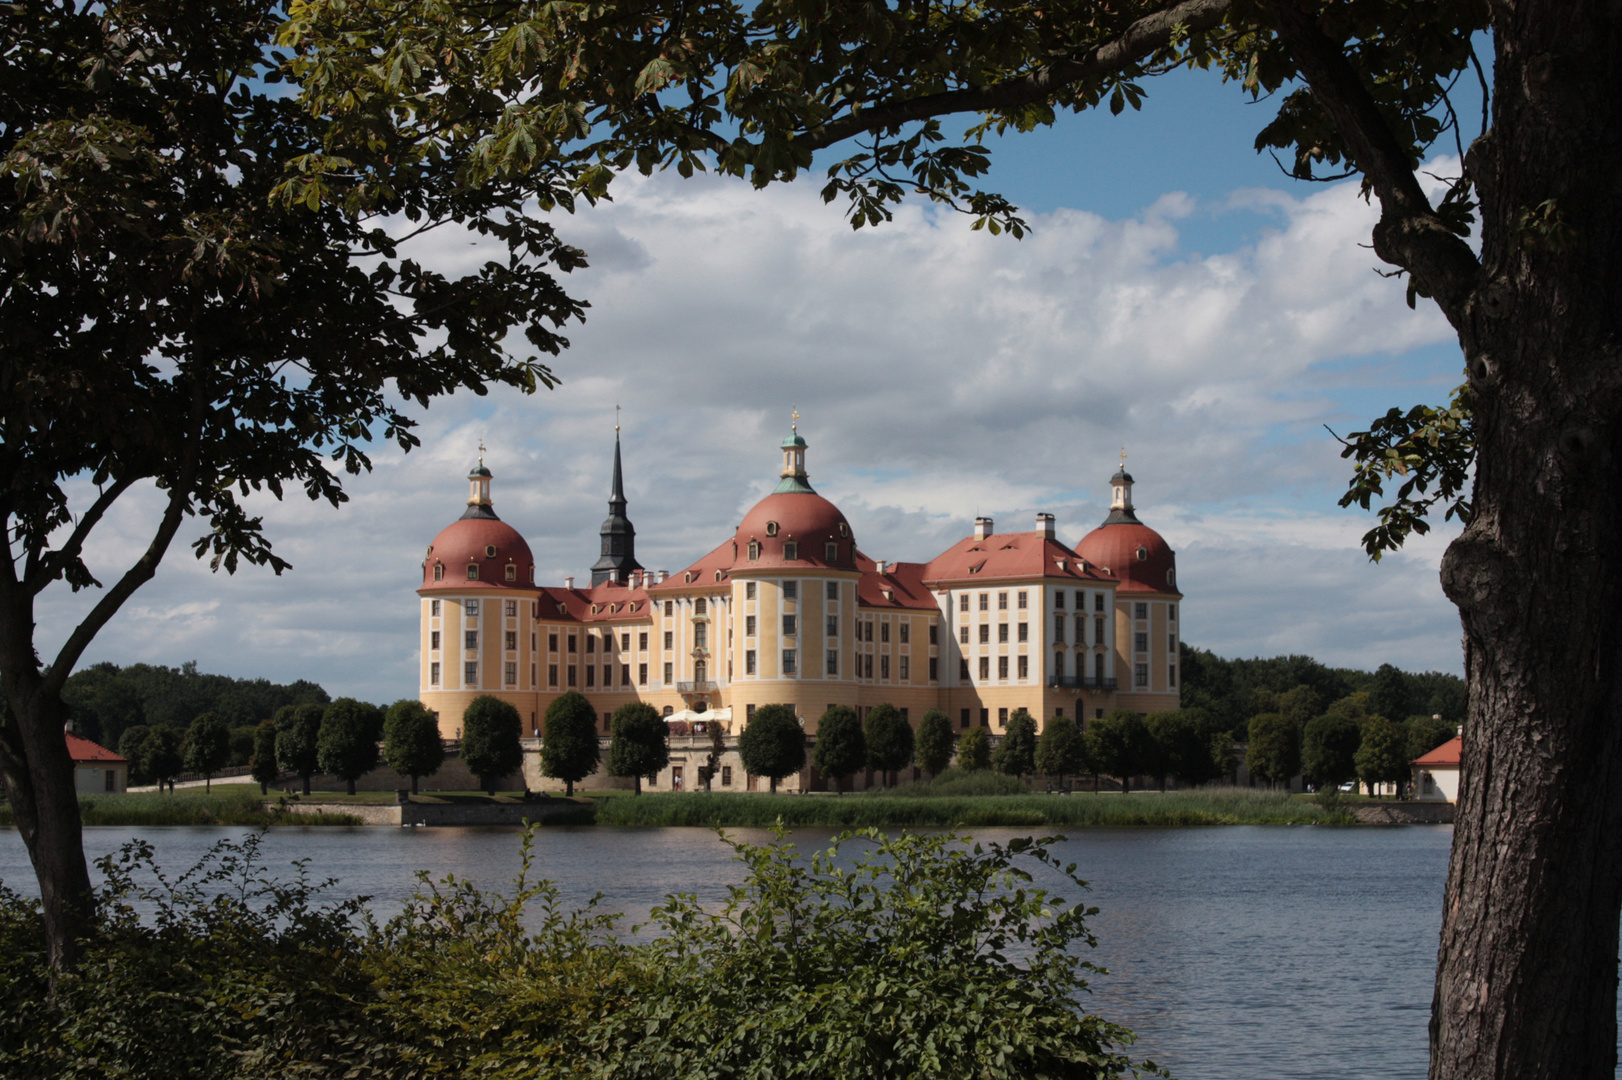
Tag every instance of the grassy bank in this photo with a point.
(1236, 806)
(236, 804)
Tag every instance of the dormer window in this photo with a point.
(473, 571)
(754, 550)
(532, 574)
(1143, 553)
(791, 550)
(844, 530)
(830, 552)
(771, 528)
(489, 551)
(439, 571)
(512, 572)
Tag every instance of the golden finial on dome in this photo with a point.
(795, 420)
(616, 417)
(481, 451)
(1123, 458)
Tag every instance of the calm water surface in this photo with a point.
(1244, 953)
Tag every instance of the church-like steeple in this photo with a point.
(618, 557)
(1120, 504)
(794, 479)
(478, 495)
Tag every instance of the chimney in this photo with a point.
(1044, 525)
(663, 574)
(880, 566)
(982, 528)
(568, 583)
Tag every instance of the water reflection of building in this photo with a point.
(788, 609)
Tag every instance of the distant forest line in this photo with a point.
(106, 700)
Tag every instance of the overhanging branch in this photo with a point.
(1141, 39)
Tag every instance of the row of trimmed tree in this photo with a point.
(1342, 745)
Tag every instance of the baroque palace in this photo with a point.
(788, 609)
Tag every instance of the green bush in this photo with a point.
(891, 963)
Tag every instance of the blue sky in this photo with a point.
(1178, 295)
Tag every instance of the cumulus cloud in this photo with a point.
(940, 374)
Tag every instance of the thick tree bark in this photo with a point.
(1527, 978)
(38, 773)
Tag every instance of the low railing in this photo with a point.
(701, 686)
(1080, 682)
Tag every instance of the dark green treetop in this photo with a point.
(1274, 752)
(262, 765)
(889, 738)
(974, 749)
(773, 743)
(491, 734)
(346, 742)
(207, 747)
(1329, 750)
(933, 745)
(297, 729)
(412, 745)
(1061, 751)
(570, 751)
(639, 744)
(841, 749)
(1016, 754)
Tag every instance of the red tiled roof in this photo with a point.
(81, 750)
(1010, 555)
(900, 586)
(607, 602)
(470, 540)
(701, 572)
(1444, 755)
(1118, 547)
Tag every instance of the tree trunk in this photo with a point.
(1527, 977)
(306, 779)
(208, 783)
(351, 787)
(568, 788)
(38, 773)
(639, 783)
(413, 785)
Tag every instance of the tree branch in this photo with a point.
(1141, 39)
(1410, 233)
(38, 577)
(146, 566)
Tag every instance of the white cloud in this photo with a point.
(940, 373)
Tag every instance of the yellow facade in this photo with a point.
(998, 623)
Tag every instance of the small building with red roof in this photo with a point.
(96, 769)
(1436, 774)
(788, 609)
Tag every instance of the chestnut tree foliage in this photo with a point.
(1528, 454)
(175, 330)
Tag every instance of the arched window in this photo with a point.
(473, 571)
(791, 550)
(754, 550)
(512, 572)
(830, 552)
(439, 571)
(669, 711)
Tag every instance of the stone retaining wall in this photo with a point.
(1405, 813)
(444, 815)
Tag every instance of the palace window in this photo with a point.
(771, 528)
(701, 635)
(642, 674)
(1058, 600)
(573, 681)
(833, 662)
(433, 674)
(963, 635)
(470, 674)
(439, 575)
(1171, 612)
(933, 635)
(1140, 610)
(700, 606)
(471, 607)
(754, 550)
(749, 588)
(625, 642)
(1002, 601)
(903, 671)
(1098, 601)
(510, 675)
(985, 667)
(748, 626)
(726, 776)
(670, 608)
(830, 553)
(1140, 642)
(788, 661)
(884, 667)
(511, 608)
(985, 601)
(1058, 628)
(1081, 629)
(1002, 633)
(571, 643)
(788, 625)
(884, 632)
(1024, 632)
(963, 670)
(1002, 717)
(433, 640)
(669, 675)
(1022, 599)
(551, 674)
(608, 675)
(512, 640)
(1098, 632)
(472, 639)
(512, 572)
(867, 632)
(985, 633)
(1058, 664)
(963, 719)
(906, 632)
(1171, 642)
(433, 608)
(473, 571)
(670, 639)
(1171, 675)
(1140, 675)
(791, 550)
(934, 669)
(867, 666)
(1002, 667)
(791, 590)
(551, 643)
(963, 602)
(1024, 667)
(833, 626)
(749, 661)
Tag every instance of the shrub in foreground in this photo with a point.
(888, 960)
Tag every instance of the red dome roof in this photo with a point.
(487, 543)
(802, 518)
(1135, 554)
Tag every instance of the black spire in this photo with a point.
(618, 534)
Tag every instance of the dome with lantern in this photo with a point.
(794, 526)
(1127, 548)
(478, 550)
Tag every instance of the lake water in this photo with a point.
(1242, 953)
